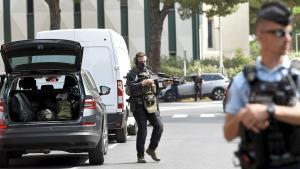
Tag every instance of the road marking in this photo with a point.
(113, 146)
(179, 116)
(207, 115)
(187, 107)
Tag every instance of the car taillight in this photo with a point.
(90, 104)
(2, 119)
(88, 124)
(120, 94)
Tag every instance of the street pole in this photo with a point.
(220, 48)
(184, 64)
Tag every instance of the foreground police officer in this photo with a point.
(263, 108)
(144, 105)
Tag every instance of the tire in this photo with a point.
(96, 155)
(4, 160)
(132, 130)
(105, 139)
(218, 94)
(121, 134)
(169, 96)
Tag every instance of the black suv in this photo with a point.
(48, 102)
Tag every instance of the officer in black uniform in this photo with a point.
(198, 86)
(263, 108)
(144, 105)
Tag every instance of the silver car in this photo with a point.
(214, 85)
(38, 114)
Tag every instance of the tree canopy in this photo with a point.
(256, 4)
(186, 9)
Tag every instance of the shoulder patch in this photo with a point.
(249, 72)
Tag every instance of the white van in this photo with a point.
(106, 57)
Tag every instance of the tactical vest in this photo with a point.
(279, 144)
(149, 95)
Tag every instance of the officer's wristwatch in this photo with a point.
(271, 110)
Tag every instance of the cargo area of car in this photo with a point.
(44, 98)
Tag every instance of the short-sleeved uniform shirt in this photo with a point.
(240, 89)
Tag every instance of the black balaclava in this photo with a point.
(141, 65)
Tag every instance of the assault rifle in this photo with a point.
(161, 80)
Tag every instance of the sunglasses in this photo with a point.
(279, 32)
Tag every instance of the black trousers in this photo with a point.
(141, 116)
(198, 92)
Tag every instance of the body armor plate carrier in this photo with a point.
(279, 144)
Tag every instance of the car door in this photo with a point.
(187, 87)
(208, 84)
(41, 55)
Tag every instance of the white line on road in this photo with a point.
(113, 145)
(207, 115)
(179, 116)
(187, 107)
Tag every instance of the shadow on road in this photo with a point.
(57, 161)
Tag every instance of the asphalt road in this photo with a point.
(192, 139)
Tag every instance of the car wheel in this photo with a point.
(4, 160)
(96, 155)
(218, 94)
(169, 96)
(105, 138)
(121, 134)
(132, 129)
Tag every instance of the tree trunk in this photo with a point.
(54, 14)
(155, 45)
(157, 18)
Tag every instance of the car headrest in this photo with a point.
(69, 82)
(28, 83)
(47, 87)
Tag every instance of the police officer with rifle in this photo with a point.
(143, 87)
(263, 107)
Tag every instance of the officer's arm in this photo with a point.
(232, 126)
(234, 111)
(287, 114)
(134, 86)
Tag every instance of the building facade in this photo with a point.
(198, 37)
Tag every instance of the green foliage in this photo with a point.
(235, 64)
(294, 55)
(254, 49)
(296, 10)
(172, 66)
(217, 7)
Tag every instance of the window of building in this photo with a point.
(29, 6)
(210, 33)
(77, 7)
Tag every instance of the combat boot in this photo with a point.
(153, 154)
(141, 159)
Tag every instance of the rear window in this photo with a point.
(22, 60)
(45, 82)
(212, 77)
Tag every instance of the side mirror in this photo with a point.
(104, 90)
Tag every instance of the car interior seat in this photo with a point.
(21, 108)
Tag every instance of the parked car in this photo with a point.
(106, 56)
(38, 114)
(214, 85)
